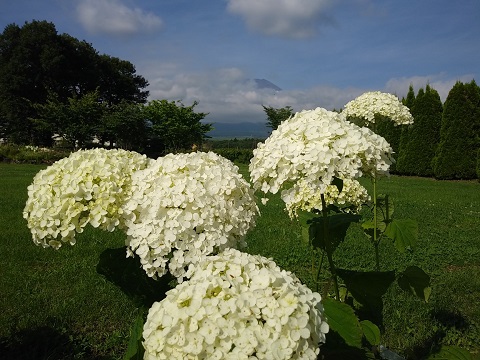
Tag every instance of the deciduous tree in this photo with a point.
(174, 126)
(276, 116)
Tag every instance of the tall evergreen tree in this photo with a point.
(421, 140)
(457, 151)
(409, 102)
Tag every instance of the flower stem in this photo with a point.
(375, 222)
(328, 246)
(318, 271)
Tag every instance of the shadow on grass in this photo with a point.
(128, 275)
(446, 320)
(43, 343)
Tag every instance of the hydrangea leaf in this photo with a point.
(342, 319)
(371, 332)
(415, 281)
(403, 232)
(135, 349)
(367, 287)
(337, 229)
(451, 353)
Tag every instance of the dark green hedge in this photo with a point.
(457, 152)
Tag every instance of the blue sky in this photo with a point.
(320, 52)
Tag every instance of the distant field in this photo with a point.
(63, 304)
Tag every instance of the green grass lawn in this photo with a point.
(79, 302)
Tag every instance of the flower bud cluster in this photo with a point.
(236, 306)
(369, 104)
(88, 187)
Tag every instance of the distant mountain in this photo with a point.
(239, 130)
(265, 84)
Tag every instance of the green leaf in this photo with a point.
(404, 233)
(305, 218)
(337, 229)
(371, 332)
(415, 281)
(367, 287)
(135, 348)
(338, 183)
(342, 319)
(451, 353)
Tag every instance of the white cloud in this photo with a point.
(288, 18)
(440, 82)
(113, 17)
(229, 96)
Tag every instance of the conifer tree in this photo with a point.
(423, 136)
(409, 102)
(457, 152)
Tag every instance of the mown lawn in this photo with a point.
(80, 301)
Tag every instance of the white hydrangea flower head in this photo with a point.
(185, 206)
(369, 104)
(305, 196)
(87, 187)
(236, 306)
(312, 148)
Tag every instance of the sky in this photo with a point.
(321, 53)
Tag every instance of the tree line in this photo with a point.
(444, 140)
(56, 85)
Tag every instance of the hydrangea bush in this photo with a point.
(373, 103)
(88, 187)
(184, 206)
(311, 149)
(236, 306)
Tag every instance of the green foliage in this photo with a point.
(451, 353)
(342, 319)
(77, 120)
(38, 65)
(236, 155)
(456, 155)
(415, 280)
(276, 116)
(124, 125)
(135, 350)
(421, 139)
(403, 232)
(409, 101)
(478, 164)
(30, 154)
(174, 126)
(392, 133)
(247, 143)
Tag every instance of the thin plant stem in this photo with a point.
(375, 223)
(375, 220)
(328, 246)
(318, 271)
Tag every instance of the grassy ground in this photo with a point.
(79, 302)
